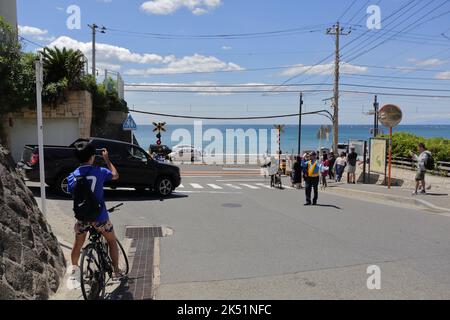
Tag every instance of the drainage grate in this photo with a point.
(142, 255)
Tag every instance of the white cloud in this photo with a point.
(31, 31)
(195, 63)
(428, 62)
(165, 7)
(227, 48)
(114, 57)
(322, 69)
(108, 55)
(443, 75)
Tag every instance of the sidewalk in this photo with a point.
(437, 201)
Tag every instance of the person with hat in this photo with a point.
(312, 176)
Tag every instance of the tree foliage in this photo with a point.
(403, 143)
(17, 75)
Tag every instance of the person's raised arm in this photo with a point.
(413, 155)
(111, 167)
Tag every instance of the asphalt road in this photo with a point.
(234, 238)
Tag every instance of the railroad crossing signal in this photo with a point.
(159, 127)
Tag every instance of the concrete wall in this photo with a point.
(77, 108)
(112, 128)
(8, 10)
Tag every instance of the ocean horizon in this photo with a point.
(289, 138)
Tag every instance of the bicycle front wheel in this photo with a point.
(92, 274)
(123, 259)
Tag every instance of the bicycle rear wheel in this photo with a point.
(92, 274)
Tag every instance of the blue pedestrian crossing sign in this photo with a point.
(129, 124)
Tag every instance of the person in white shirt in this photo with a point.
(421, 159)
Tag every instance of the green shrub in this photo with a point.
(403, 143)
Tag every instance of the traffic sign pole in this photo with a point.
(390, 116)
(390, 158)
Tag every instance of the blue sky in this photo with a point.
(404, 41)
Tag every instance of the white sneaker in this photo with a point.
(74, 279)
(415, 193)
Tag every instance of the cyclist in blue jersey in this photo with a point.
(85, 153)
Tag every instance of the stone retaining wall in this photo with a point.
(31, 261)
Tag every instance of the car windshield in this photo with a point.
(137, 154)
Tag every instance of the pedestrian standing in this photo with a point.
(297, 173)
(324, 170)
(339, 166)
(351, 169)
(331, 162)
(423, 161)
(312, 176)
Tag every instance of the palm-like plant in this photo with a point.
(323, 134)
(63, 65)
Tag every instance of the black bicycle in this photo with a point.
(96, 264)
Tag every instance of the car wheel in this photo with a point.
(61, 186)
(164, 186)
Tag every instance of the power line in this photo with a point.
(347, 10)
(31, 42)
(294, 92)
(377, 36)
(392, 77)
(273, 85)
(167, 36)
(352, 41)
(407, 27)
(229, 118)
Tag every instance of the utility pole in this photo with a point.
(40, 129)
(300, 125)
(94, 29)
(337, 31)
(376, 105)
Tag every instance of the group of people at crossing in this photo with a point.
(315, 170)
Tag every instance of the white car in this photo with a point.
(185, 154)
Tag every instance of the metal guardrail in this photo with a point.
(442, 167)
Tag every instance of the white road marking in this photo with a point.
(194, 176)
(240, 180)
(233, 186)
(196, 186)
(240, 169)
(207, 192)
(249, 186)
(215, 186)
(263, 185)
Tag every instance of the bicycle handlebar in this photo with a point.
(115, 208)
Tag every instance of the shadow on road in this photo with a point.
(115, 195)
(329, 206)
(122, 292)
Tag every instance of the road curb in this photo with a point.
(368, 195)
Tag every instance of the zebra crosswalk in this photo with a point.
(226, 186)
